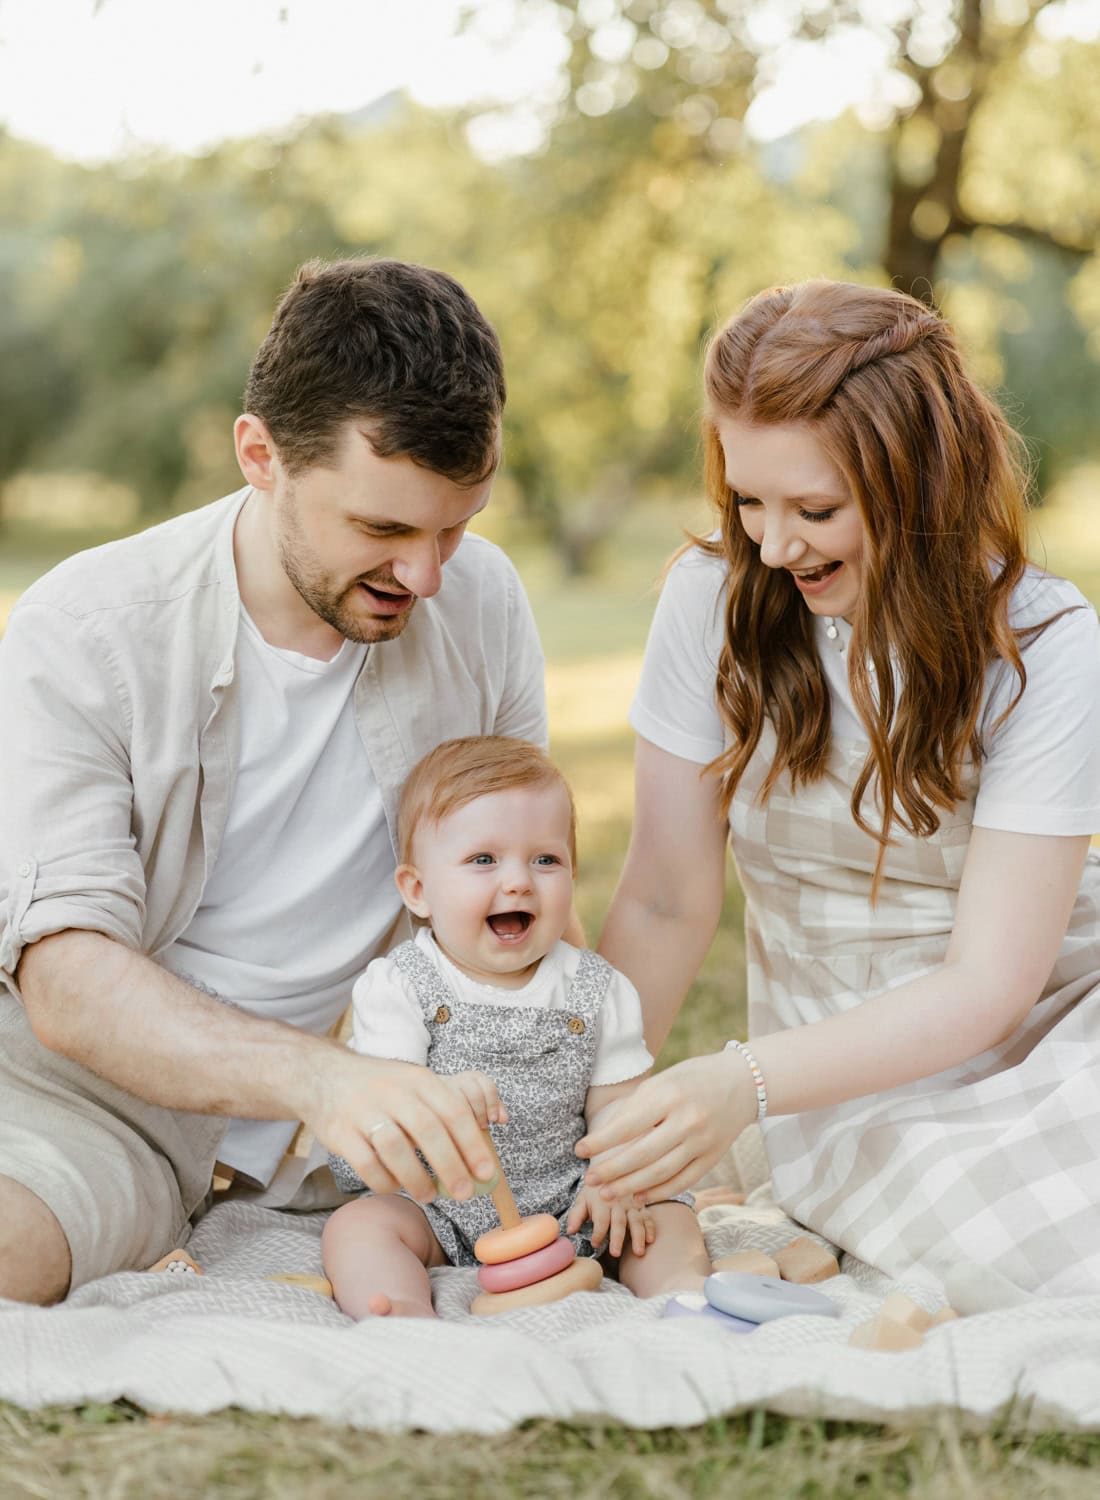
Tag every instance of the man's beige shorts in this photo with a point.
(122, 1177)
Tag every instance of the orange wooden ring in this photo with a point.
(528, 1235)
(583, 1275)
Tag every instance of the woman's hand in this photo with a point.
(671, 1130)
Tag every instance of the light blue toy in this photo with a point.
(760, 1299)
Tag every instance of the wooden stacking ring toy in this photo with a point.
(527, 1261)
(522, 1238)
(510, 1275)
(582, 1275)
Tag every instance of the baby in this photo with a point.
(487, 831)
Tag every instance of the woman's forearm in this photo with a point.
(660, 952)
(933, 1023)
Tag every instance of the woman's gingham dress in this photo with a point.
(995, 1161)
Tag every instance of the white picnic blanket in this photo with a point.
(170, 1342)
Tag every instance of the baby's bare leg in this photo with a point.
(376, 1252)
(676, 1261)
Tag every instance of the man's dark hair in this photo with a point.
(401, 348)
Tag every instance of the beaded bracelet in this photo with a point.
(757, 1077)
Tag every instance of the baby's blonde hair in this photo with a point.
(459, 771)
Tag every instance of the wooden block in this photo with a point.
(223, 1177)
(902, 1309)
(804, 1260)
(319, 1284)
(945, 1315)
(884, 1336)
(752, 1262)
(177, 1261)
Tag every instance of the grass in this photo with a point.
(594, 632)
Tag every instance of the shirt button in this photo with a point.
(24, 870)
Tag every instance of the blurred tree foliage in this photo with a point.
(132, 295)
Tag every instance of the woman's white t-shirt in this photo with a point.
(388, 1020)
(1041, 767)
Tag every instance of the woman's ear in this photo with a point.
(411, 889)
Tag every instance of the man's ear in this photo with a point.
(411, 888)
(256, 453)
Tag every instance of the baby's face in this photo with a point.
(495, 878)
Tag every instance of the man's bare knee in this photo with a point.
(35, 1263)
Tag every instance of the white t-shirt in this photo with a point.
(302, 891)
(388, 1020)
(1041, 768)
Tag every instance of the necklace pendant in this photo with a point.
(831, 629)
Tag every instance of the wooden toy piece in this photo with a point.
(583, 1275)
(695, 1305)
(223, 1177)
(319, 1284)
(945, 1315)
(760, 1299)
(509, 1275)
(884, 1336)
(902, 1309)
(516, 1236)
(804, 1260)
(751, 1262)
(177, 1262)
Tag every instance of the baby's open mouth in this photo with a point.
(510, 924)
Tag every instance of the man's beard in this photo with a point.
(336, 606)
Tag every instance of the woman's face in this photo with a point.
(794, 504)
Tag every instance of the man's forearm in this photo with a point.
(133, 1023)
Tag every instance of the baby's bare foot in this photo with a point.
(381, 1306)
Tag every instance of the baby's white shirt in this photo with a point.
(388, 1020)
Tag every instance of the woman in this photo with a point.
(895, 721)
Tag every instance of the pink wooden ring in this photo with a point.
(510, 1274)
(581, 1275)
(528, 1235)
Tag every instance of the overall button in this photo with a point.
(575, 1025)
(443, 1014)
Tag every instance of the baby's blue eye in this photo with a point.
(547, 859)
(482, 859)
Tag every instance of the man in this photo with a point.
(204, 731)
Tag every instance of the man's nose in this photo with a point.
(419, 569)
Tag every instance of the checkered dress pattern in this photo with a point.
(995, 1161)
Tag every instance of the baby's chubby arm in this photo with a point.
(615, 1222)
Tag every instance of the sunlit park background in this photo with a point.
(609, 178)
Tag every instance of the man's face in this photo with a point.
(364, 537)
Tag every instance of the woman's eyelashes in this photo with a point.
(807, 515)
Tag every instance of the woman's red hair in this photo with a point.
(940, 478)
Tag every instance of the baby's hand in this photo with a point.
(481, 1093)
(612, 1222)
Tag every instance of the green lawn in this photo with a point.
(593, 631)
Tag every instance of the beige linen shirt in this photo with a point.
(118, 720)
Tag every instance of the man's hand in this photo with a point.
(378, 1114)
(615, 1223)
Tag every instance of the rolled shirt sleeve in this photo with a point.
(68, 857)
